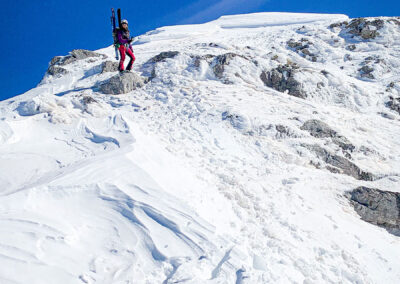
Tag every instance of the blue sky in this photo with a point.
(32, 32)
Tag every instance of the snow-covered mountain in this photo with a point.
(251, 149)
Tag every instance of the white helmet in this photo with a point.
(124, 21)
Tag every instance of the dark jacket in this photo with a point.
(123, 36)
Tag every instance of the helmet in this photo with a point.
(124, 22)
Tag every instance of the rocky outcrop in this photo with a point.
(363, 27)
(55, 68)
(217, 63)
(56, 71)
(394, 104)
(109, 66)
(122, 83)
(83, 53)
(149, 68)
(86, 100)
(284, 132)
(282, 79)
(302, 47)
(220, 62)
(198, 58)
(370, 64)
(367, 29)
(163, 55)
(74, 55)
(378, 207)
(339, 164)
(319, 129)
(338, 25)
(395, 21)
(366, 72)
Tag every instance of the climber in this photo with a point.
(125, 47)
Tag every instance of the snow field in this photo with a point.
(192, 180)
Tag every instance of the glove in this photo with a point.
(130, 41)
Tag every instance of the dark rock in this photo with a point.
(275, 57)
(333, 170)
(324, 72)
(56, 71)
(344, 165)
(62, 60)
(74, 55)
(302, 48)
(366, 72)
(351, 47)
(56, 59)
(211, 44)
(278, 130)
(149, 68)
(386, 115)
(347, 57)
(320, 129)
(82, 54)
(198, 58)
(88, 100)
(343, 143)
(378, 207)
(369, 34)
(394, 104)
(163, 55)
(122, 83)
(395, 21)
(220, 62)
(294, 44)
(284, 131)
(306, 51)
(367, 29)
(109, 66)
(374, 59)
(369, 59)
(338, 25)
(282, 79)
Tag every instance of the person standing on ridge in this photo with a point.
(124, 41)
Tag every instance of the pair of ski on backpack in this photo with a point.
(115, 29)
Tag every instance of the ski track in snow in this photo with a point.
(188, 180)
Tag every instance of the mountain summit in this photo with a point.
(259, 148)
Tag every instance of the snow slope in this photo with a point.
(191, 179)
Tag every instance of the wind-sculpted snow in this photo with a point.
(232, 164)
(5, 132)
